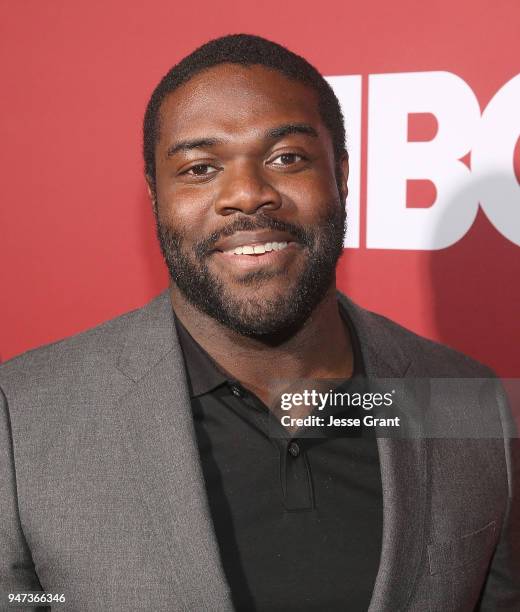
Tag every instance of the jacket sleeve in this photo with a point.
(17, 573)
(502, 588)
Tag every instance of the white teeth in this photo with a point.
(258, 249)
(278, 246)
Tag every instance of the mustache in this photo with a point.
(245, 224)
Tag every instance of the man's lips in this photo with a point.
(251, 250)
(251, 239)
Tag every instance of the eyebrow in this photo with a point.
(272, 134)
(188, 145)
(291, 128)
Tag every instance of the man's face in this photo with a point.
(249, 212)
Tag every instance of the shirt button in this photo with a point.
(294, 449)
(235, 390)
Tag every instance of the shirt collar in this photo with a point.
(204, 374)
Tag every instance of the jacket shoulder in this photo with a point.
(76, 358)
(432, 358)
(397, 343)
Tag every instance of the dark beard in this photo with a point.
(268, 319)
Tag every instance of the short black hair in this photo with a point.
(245, 50)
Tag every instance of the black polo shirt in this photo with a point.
(298, 520)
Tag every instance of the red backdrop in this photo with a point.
(77, 243)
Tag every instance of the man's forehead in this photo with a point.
(230, 97)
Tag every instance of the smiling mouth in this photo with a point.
(255, 242)
(257, 248)
(254, 256)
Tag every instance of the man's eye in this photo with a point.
(287, 159)
(201, 170)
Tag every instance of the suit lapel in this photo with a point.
(403, 474)
(157, 427)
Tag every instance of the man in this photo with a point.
(140, 465)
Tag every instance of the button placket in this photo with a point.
(296, 478)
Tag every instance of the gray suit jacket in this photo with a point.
(102, 496)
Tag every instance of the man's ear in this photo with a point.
(150, 187)
(343, 176)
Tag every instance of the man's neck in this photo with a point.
(320, 349)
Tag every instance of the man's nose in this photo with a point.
(246, 189)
